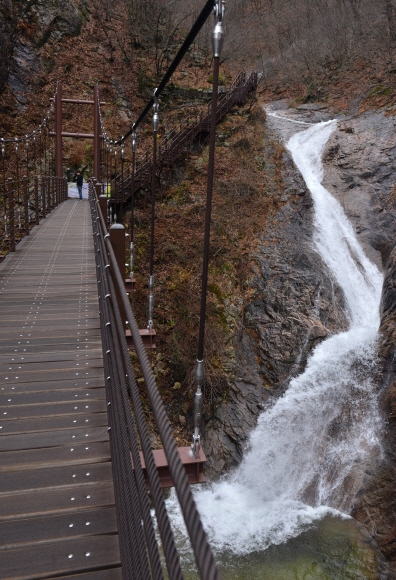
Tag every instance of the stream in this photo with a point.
(284, 512)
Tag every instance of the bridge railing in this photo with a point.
(23, 202)
(181, 138)
(129, 432)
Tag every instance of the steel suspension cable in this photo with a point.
(199, 373)
(195, 29)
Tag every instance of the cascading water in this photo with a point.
(307, 455)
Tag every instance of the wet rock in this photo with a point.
(360, 172)
(293, 306)
(376, 503)
(317, 330)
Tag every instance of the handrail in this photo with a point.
(23, 203)
(128, 431)
(183, 137)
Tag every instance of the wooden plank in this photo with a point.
(52, 423)
(41, 318)
(38, 529)
(25, 411)
(41, 325)
(24, 341)
(54, 456)
(54, 449)
(55, 438)
(94, 355)
(47, 478)
(109, 574)
(70, 365)
(45, 346)
(53, 501)
(54, 375)
(62, 557)
(11, 388)
(44, 397)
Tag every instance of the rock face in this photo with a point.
(295, 303)
(376, 504)
(24, 28)
(7, 31)
(361, 170)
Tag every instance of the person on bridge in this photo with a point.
(79, 182)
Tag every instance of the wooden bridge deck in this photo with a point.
(57, 514)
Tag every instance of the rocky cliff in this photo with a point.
(295, 303)
(26, 27)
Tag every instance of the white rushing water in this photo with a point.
(308, 452)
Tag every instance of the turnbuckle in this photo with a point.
(156, 109)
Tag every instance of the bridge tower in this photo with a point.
(59, 133)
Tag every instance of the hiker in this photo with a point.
(79, 182)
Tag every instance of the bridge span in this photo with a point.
(57, 513)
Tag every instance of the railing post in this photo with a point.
(117, 239)
(11, 212)
(36, 200)
(58, 130)
(26, 204)
(48, 193)
(96, 134)
(43, 204)
(102, 203)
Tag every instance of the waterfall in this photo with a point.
(307, 455)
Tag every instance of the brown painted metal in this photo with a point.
(26, 205)
(130, 285)
(192, 466)
(11, 214)
(181, 138)
(80, 102)
(117, 238)
(102, 203)
(147, 336)
(96, 135)
(58, 131)
(36, 200)
(43, 202)
(74, 135)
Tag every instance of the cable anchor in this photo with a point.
(150, 303)
(199, 378)
(218, 31)
(156, 110)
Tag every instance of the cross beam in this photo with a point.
(59, 134)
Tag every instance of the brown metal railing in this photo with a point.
(129, 432)
(180, 139)
(23, 203)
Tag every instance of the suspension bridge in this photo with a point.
(77, 460)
